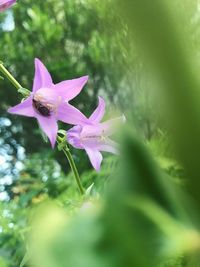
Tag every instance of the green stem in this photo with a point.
(9, 76)
(72, 164)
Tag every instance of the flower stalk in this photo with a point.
(9, 76)
(62, 145)
(25, 92)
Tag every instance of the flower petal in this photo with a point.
(42, 77)
(71, 115)
(73, 136)
(109, 146)
(95, 158)
(70, 88)
(91, 130)
(6, 4)
(99, 142)
(49, 126)
(110, 126)
(25, 108)
(98, 114)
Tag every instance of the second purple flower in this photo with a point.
(94, 135)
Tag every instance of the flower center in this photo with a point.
(41, 108)
(46, 101)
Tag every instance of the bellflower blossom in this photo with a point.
(94, 135)
(48, 102)
(4, 4)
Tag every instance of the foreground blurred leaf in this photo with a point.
(147, 221)
(168, 52)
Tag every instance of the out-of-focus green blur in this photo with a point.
(142, 209)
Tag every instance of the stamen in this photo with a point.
(98, 138)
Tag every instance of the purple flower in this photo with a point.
(48, 102)
(4, 4)
(93, 136)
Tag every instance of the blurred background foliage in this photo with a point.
(143, 58)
